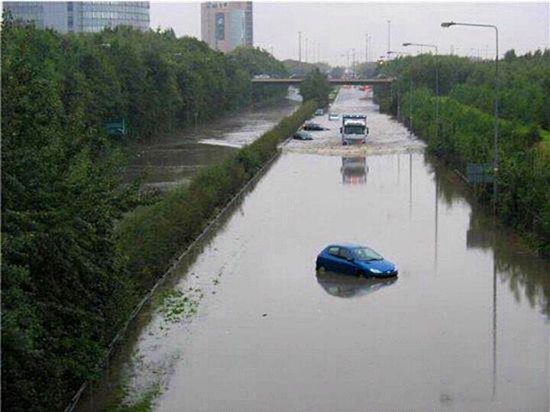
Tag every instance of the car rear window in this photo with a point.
(333, 251)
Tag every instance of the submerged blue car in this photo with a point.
(354, 260)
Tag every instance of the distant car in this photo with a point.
(354, 260)
(262, 76)
(313, 126)
(302, 135)
(319, 112)
(333, 116)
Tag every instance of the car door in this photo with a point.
(333, 259)
(346, 259)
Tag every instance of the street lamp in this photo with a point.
(436, 82)
(495, 141)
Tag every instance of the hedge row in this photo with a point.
(466, 136)
(151, 236)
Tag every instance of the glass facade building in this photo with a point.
(226, 25)
(81, 17)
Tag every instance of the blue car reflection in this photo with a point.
(350, 287)
(354, 260)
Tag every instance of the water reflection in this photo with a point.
(525, 274)
(354, 170)
(344, 286)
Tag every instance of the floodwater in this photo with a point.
(465, 326)
(173, 159)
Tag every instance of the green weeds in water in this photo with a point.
(143, 404)
(177, 305)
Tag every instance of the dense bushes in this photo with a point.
(524, 82)
(151, 235)
(65, 285)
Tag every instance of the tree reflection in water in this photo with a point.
(525, 274)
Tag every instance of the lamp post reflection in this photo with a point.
(410, 184)
(436, 184)
(398, 168)
(494, 325)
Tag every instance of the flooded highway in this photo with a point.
(465, 326)
(173, 159)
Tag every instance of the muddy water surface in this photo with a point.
(465, 326)
(173, 159)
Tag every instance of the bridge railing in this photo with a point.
(289, 81)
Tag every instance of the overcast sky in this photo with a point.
(338, 27)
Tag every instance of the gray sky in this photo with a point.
(338, 27)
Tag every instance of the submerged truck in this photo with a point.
(354, 129)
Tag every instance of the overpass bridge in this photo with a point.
(292, 82)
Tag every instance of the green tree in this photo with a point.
(315, 86)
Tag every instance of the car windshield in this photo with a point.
(355, 129)
(364, 253)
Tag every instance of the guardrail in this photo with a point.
(290, 82)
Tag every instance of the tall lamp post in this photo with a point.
(300, 46)
(436, 82)
(495, 140)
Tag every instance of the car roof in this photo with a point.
(346, 245)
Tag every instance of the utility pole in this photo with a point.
(367, 41)
(319, 52)
(316, 52)
(300, 46)
(389, 38)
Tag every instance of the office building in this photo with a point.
(81, 17)
(226, 25)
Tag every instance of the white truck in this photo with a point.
(354, 129)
